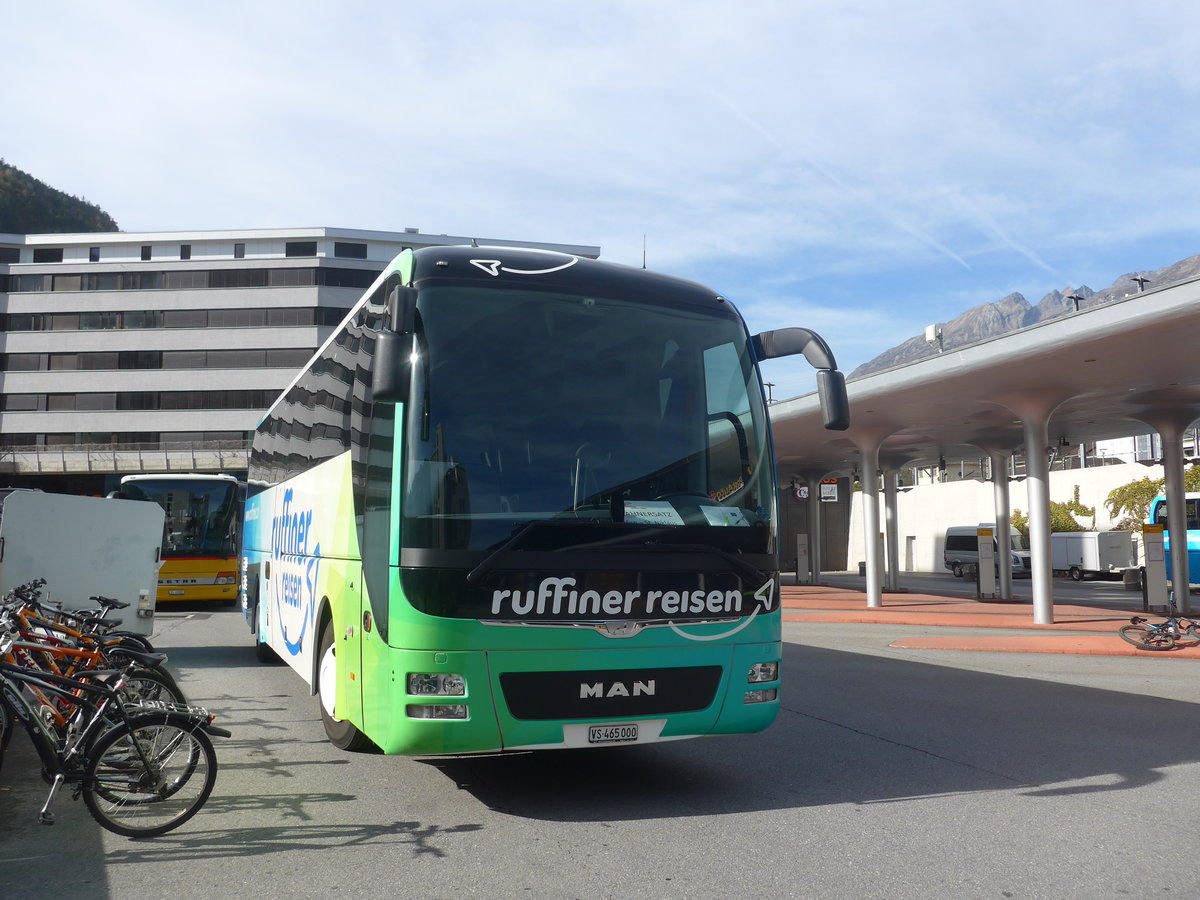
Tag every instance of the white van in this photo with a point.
(962, 548)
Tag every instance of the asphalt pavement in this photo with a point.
(891, 772)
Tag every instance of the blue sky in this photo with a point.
(862, 168)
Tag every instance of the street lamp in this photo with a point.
(1141, 280)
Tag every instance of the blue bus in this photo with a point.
(1158, 516)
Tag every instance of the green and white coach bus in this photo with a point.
(521, 499)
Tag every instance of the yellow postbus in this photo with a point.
(201, 535)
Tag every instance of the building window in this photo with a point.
(239, 251)
(24, 362)
(184, 318)
(300, 248)
(50, 254)
(93, 254)
(185, 251)
(21, 402)
(96, 401)
(145, 252)
(176, 281)
(349, 251)
(99, 321)
(101, 281)
(10, 254)
(64, 322)
(67, 283)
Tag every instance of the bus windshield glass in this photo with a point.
(201, 514)
(532, 410)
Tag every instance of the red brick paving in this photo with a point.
(1076, 629)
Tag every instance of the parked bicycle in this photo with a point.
(44, 641)
(142, 768)
(1147, 635)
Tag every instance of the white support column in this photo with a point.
(891, 530)
(814, 527)
(1037, 471)
(1172, 442)
(870, 505)
(999, 462)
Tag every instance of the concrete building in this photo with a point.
(154, 352)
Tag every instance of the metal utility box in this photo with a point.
(83, 547)
(1080, 553)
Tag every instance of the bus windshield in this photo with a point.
(201, 514)
(559, 409)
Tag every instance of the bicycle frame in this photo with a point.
(64, 756)
(57, 752)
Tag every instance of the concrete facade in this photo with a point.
(925, 512)
(133, 352)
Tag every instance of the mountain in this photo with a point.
(30, 206)
(1014, 312)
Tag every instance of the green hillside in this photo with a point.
(29, 206)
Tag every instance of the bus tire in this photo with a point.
(262, 650)
(264, 654)
(341, 734)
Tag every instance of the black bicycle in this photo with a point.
(142, 769)
(1147, 635)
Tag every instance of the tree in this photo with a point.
(1062, 516)
(1132, 501)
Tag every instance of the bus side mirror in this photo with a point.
(402, 309)
(835, 404)
(392, 367)
(831, 384)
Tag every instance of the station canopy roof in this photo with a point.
(1104, 372)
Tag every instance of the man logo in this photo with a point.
(597, 689)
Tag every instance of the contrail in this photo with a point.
(921, 236)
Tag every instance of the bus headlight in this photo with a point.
(226, 578)
(763, 671)
(440, 711)
(435, 684)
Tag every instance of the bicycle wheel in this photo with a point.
(150, 776)
(1148, 637)
(152, 684)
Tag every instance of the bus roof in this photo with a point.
(510, 266)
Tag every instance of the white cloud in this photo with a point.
(869, 145)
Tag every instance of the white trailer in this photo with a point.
(1080, 553)
(84, 547)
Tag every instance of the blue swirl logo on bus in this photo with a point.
(294, 581)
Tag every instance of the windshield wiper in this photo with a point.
(654, 546)
(516, 537)
(617, 544)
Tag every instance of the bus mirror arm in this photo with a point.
(392, 367)
(831, 384)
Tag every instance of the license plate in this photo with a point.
(612, 734)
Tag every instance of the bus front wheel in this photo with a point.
(341, 733)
